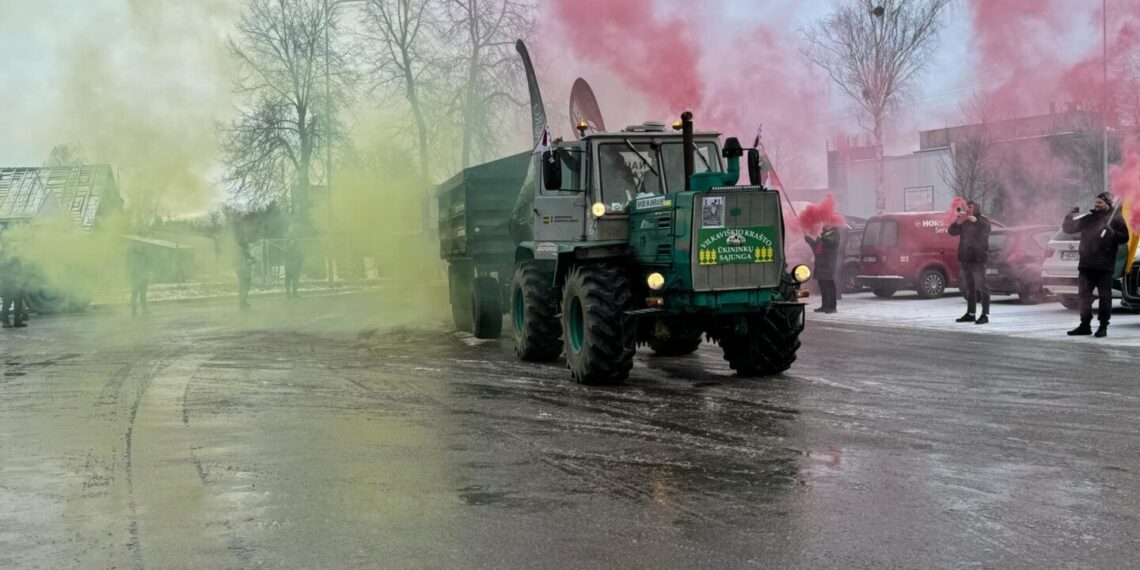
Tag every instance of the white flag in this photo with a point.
(544, 142)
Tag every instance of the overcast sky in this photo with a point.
(162, 57)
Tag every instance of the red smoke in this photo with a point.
(955, 204)
(653, 55)
(733, 78)
(814, 216)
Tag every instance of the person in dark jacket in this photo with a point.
(138, 269)
(1102, 232)
(244, 268)
(826, 250)
(973, 231)
(13, 313)
(294, 260)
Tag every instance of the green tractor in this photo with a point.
(621, 239)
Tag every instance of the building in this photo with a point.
(87, 193)
(1037, 161)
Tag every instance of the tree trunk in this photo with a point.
(472, 77)
(880, 167)
(301, 198)
(421, 139)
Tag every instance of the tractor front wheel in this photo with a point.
(534, 313)
(769, 347)
(599, 338)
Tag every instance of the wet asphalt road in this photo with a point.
(329, 435)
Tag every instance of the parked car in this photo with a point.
(1016, 258)
(912, 250)
(1059, 271)
(852, 239)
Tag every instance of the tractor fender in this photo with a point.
(574, 253)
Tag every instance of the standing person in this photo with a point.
(244, 266)
(973, 230)
(1102, 232)
(294, 260)
(12, 311)
(139, 274)
(826, 250)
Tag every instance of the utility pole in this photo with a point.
(1104, 86)
(328, 146)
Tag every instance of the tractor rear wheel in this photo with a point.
(599, 338)
(487, 308)
(534, 313)
(769, 347)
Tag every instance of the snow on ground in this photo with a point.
(1048, 320)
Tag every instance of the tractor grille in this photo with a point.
(740, 209)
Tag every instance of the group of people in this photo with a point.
(1102, 231)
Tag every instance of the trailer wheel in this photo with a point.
(459, 285)
(679, 345)
(769, 347)
(600, 339)
(487, 308)
(534, 313)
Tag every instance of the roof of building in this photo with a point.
(81, 191)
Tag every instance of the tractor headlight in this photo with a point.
(801, 274)
(598, 209)
(656, 281)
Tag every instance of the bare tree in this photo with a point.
(873, 52)
(492, 72)
(970, 171)
(396, 32)
(68, 154)
(269, 150)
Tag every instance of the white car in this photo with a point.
(1059, 271)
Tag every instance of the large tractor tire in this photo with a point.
(677, 345)
(599, 338)
(769, 347)
(459, 284)
(487, 308)
(534, 313)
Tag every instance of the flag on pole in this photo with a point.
(544, 141)
(772, 179)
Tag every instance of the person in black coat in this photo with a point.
(1102, 231)
(826, 250)
(973, 230)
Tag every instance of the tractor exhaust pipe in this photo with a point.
(687, 144)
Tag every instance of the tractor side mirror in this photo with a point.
(753, 166)
(552, 170)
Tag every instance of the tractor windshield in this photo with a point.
(628, 172)
(704, 159)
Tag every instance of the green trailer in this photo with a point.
(474, 239)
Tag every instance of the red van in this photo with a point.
(908, 251)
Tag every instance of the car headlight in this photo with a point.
(801, 274)
(656, 281)
(598, 209)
